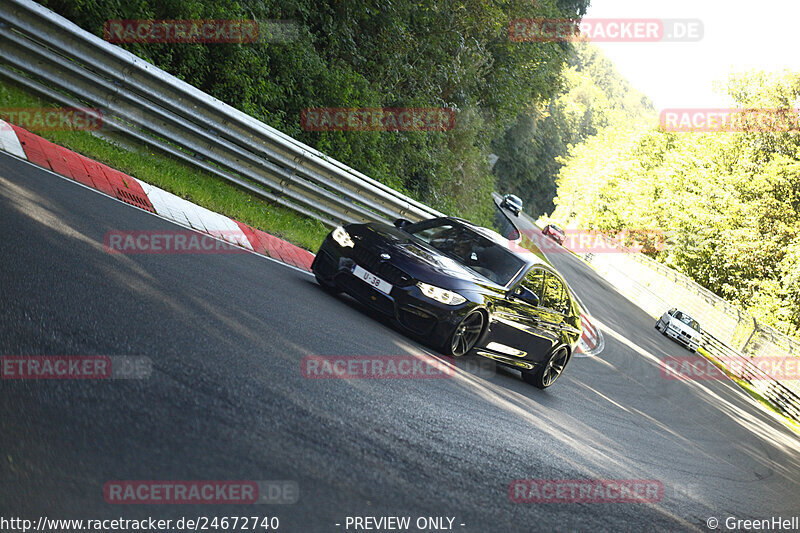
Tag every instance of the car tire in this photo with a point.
(547, 373)
(466, 335)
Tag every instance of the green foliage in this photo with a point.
(354, 53)
(592, 96)
(728, 202)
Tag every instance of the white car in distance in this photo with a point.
(682, 328)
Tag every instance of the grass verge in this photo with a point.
(176, 177)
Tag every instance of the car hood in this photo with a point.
(418, 259)
(674, 322)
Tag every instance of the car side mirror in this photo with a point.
(525, 295)
(401, 223)
(530, 298)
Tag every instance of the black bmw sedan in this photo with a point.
(459, 288)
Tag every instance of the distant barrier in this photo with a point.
(729, 334)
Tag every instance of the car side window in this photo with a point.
(534, 281)
(554, 296)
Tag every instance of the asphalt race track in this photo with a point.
(226, 400)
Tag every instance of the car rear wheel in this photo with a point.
(547, 374)
(466, 334)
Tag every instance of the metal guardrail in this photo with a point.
(778, 394)
(57, 59)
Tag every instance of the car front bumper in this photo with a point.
(554, 236)
(686, 340)
(405, 303)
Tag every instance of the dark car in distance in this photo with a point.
(513, 203)
(459, 288)
(555, 233)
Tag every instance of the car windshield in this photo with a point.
(689, 321)
(476, 252)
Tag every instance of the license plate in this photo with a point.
(368, 277)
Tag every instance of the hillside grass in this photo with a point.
(177, 177)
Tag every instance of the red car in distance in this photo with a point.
(555, 233)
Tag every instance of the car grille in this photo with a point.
(370, 261)
(680, 335)
(366, 294)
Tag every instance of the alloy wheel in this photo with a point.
(467, 333)
(554, 368)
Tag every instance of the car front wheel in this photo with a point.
(547, 374)
(466, 334)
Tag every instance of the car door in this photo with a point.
(521, 326)
(553, 307)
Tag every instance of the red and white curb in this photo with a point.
(25, 145)
(9, 141)
(591, 342)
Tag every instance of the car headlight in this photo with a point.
(342, 238)
(441, 295)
